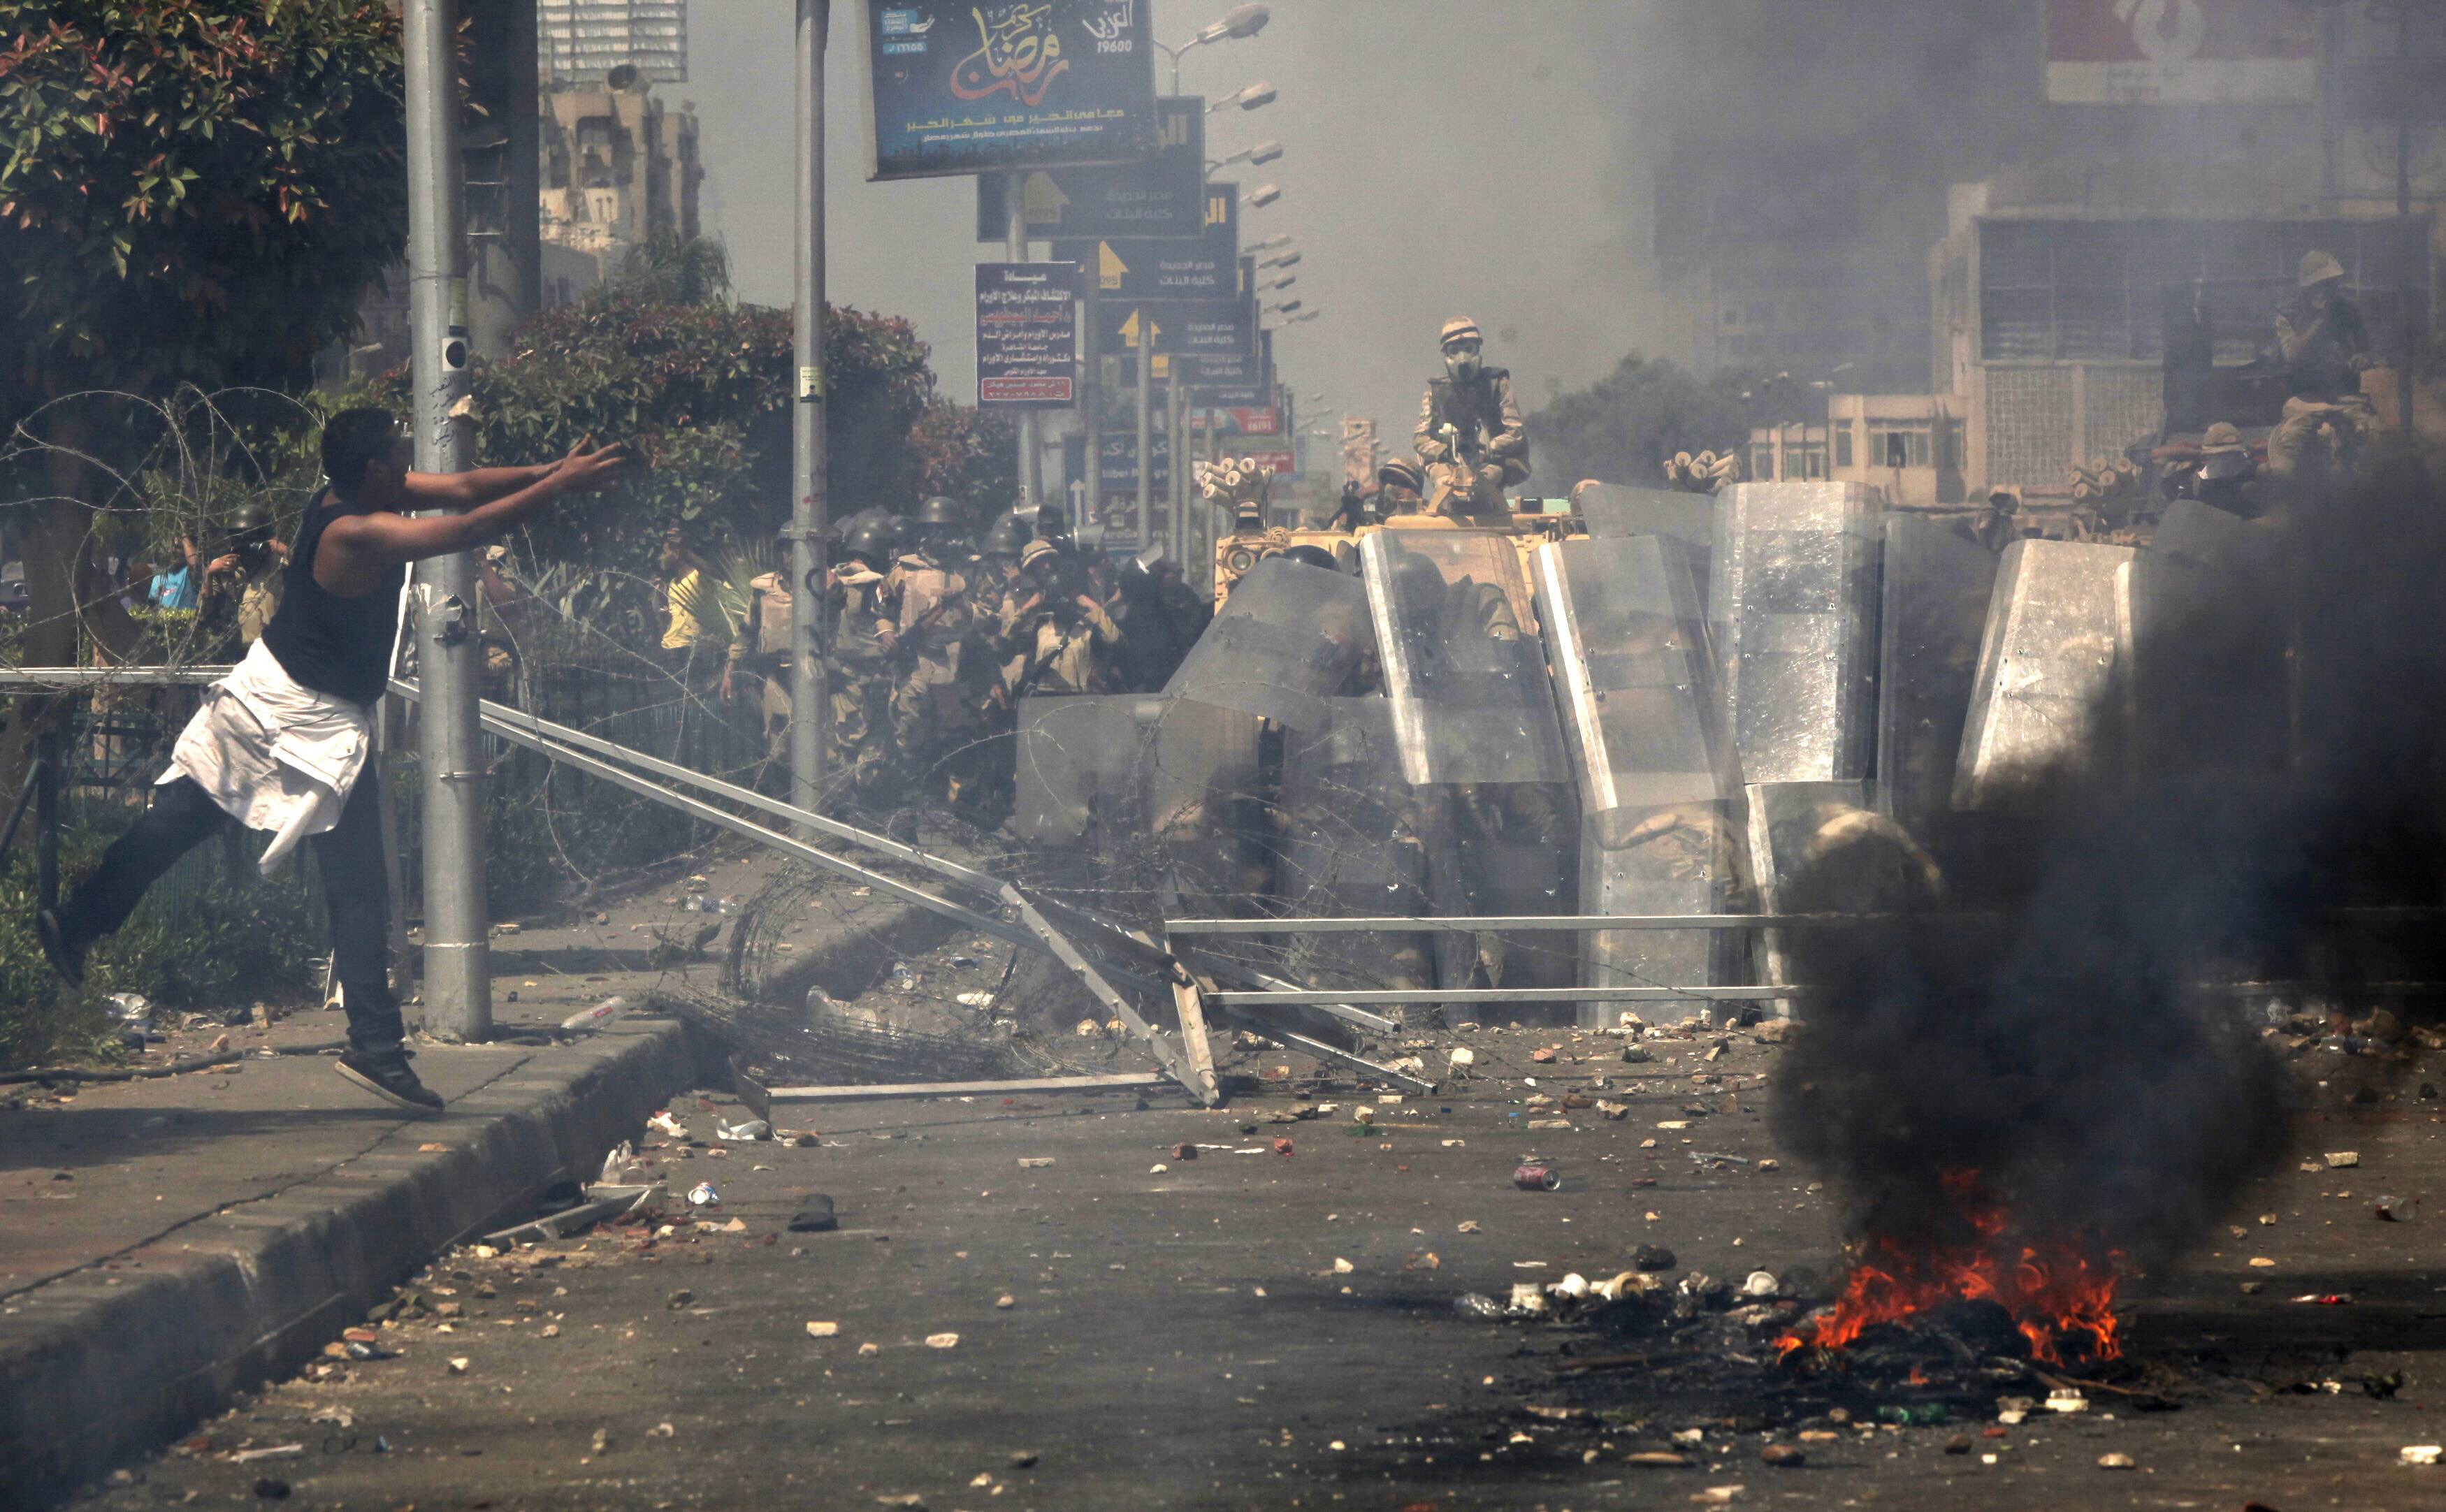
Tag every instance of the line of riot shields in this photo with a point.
(1687, 710)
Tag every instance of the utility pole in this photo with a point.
(1178, 549)
(810, 514)
(1146, 426)
(458, 978)
(504, 236)
(1091, 396)
(1031, 453)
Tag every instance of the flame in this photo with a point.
(2061, 1294)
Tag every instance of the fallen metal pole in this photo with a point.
(699, 809)
(1126, 1081)
(1554, 921)
(1314, 1000)
(502, 719)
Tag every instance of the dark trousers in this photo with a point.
(355, 893)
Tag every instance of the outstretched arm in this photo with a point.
(464, 490)
(357, 550)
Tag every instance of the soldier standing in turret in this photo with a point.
(1471, 436)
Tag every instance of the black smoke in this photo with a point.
(2278, 754)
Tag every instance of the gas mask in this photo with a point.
(1461, 359)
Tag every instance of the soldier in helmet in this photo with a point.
(1471, 437)
(862, 670)
(928, 598)
(242, 585)
(2225, 472)
(2323, 349)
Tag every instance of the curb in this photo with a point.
(99, 1367)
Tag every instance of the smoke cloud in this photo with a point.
(2275, 757)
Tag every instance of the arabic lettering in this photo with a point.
(1017, 54)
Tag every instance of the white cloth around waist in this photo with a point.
(275, 756)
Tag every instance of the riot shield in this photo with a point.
(1078, 760)
(2208, 641)
(1615, 512)
(1786, 821)
(1629, 648)
(1793, 604)
(1355, 841)
(1208, 810)
(1283, 643)
(2049, 654)
(1468, 686)
(1937, 583)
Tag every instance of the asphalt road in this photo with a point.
(1264, 1330)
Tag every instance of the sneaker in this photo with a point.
(67, 959)
(385, 1073)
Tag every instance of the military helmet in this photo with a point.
(250, 517)
(1035, 551)
(2319, 268)
(1313, 556)
(942, 510)
(2222, 453)
(1406, 473)
(1007, 536)
(874, 539)
(1458, 328)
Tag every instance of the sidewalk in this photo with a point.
(166, 1244)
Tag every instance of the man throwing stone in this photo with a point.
(284, 743)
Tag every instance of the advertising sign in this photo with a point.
(1161, 197)
(2121, 52)
(971, 86)
(1117, 464)
(1130, 273)
(1193, 327)
(1027, 335)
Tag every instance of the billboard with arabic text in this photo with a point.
(2189, 53)
(974, 86)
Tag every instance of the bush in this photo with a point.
(195, 944)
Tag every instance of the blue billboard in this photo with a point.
(971, 86)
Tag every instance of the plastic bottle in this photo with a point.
(587, 1020)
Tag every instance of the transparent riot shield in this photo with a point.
(1614, 511)
(1937, 583)
(1793, 603)
(1078, 760)
(1654, 766)
(1461, 665)
(1210, 809)
(2208, 638)
(1283, 643)
(2054, 638)
(1355, 841)
(1790, 824)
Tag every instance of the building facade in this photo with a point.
(620, 168)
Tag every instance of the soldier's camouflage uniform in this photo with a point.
(932, 714)
(1495, 440)
(861, 678)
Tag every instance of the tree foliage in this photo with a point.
(195, 190)
(705, 390)
(1620, 428)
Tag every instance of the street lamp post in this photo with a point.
(810, 509)
(1239, 22)
(458, 974)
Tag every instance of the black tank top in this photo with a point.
(337, 645)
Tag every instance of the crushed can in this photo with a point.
(1537, 1179)
(702, 1195)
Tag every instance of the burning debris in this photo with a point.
(2016, 1109)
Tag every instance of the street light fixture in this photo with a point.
(1270, 243)
(1259, 198)
(1256, 157)
(1287, 259)
(1287, 306)
(1284, 282)
(1237, 23)
(1254, 97)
